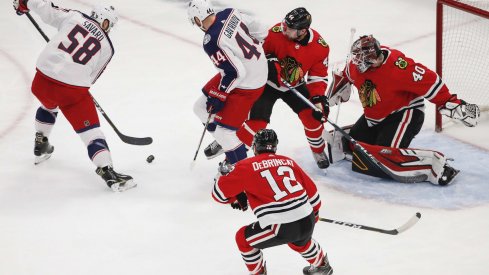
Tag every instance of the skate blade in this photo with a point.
(41, 158)
(124, 186)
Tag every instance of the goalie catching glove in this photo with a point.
(20, 6)
(340, 90)
(458, 109)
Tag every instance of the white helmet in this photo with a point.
(200, 9)
(100, 13)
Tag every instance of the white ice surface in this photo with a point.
(59, 218)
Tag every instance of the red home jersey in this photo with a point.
(278, 190)
(399, 83)
(312, 57)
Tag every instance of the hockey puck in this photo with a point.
(150, 158)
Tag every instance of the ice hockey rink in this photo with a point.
(59, 217)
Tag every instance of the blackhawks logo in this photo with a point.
(401, 63)
(322, 42)
(277, 29)
(291, 70)
(368, 94)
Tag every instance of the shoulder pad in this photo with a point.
(322, 42)
(401, 63)
(276, 29)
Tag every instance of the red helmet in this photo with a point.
(364, 52)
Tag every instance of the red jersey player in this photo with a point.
(294, 51)
(283, 198)
(392, 89)
(69, 64)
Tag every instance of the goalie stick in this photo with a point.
(410, 223)
(369, 157)
(124, 138)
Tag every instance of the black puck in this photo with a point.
(150, 158)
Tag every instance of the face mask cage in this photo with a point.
(364, 53)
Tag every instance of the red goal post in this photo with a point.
(462, 50)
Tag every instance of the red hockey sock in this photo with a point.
(311, 252)
(252, 257)
(313, 130)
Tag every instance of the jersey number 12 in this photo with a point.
(282, 171)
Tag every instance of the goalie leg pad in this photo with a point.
(406, 162)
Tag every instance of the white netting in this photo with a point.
(465, 52)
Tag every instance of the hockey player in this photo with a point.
(70, 63)
(392, 89)
(294, 50)
(231, 41)
(283, 198)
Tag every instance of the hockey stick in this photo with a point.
(410, 223)
(200, 141)
(369, 157)
(124, 138)
(330, 90)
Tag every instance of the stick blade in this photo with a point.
(136, 140)
(410, 223)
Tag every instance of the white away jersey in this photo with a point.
(236, 52)
(79, 52)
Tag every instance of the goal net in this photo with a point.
(462, 50)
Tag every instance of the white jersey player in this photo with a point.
(70, 63)
(232, 42)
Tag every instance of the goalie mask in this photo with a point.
(364, 52)
(264, 141)
(101, 13)
(200, 9)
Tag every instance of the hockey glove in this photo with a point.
(241, 202)
(20, 6)
(215, 100)
(339, 90)
(458, 109)
(274, 70)
(321, 103)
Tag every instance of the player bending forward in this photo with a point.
(69, 64)
(272, 182)
(230, 43)
(392, 89)
(298, 55)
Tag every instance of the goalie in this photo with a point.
(392, 89)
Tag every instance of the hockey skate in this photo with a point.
(324, 269)
(213, 150)
(449, 173)
(321, 160)
(117, 182)
(42, 148)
